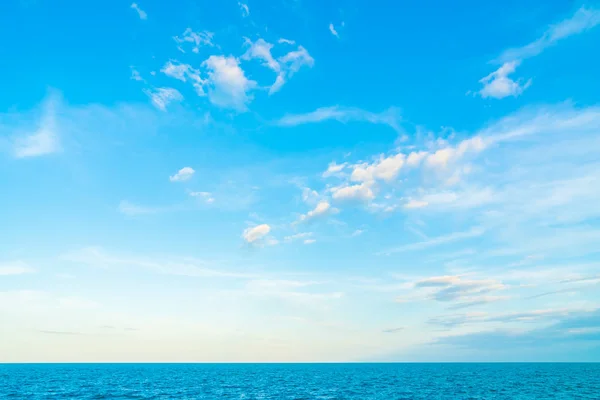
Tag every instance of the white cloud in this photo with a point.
(142, 14)
(253, 234)
(309, 196)
(498, 84)
(443, 157)
(309, 241)
(135, 75)
(333, 31)
(360, 192)
(286, 41)
(386, 168)
(298, 236)
(583, 20)
(244, 8)
(333, 169)
(285, 66)
(323, 208)
(15, 268)
(289, 65)
(163, 96)
(412, 203)
(198, 39)
(183, 72)
(45, 139)
(207, 197)
(228, 85)
(177, 71)
(183, 174)
(344, 115)
(261, 50)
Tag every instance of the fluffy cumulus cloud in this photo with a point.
(360, 192)
(256, 233)
(183, 174)
(228, 86)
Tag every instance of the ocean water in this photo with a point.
(300, 381)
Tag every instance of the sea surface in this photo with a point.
(300, 381)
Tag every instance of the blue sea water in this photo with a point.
(300, 381)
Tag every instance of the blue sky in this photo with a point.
(296, 181)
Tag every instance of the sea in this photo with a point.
(301, 381)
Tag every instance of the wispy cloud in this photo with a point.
(436, 241)
(197, 39)
(141, 13)
(15, 268)
(163, 96)
(244, 8)
(285, 66)
(97, 257)
(333, 31)
(499, 85)
(45, 139)
(581, 21)
(390, 117)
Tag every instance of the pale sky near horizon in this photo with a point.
(296, 180)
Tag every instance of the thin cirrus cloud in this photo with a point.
(390, 117)
(581, 21)
(499, 85)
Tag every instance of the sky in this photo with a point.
(299, 181)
